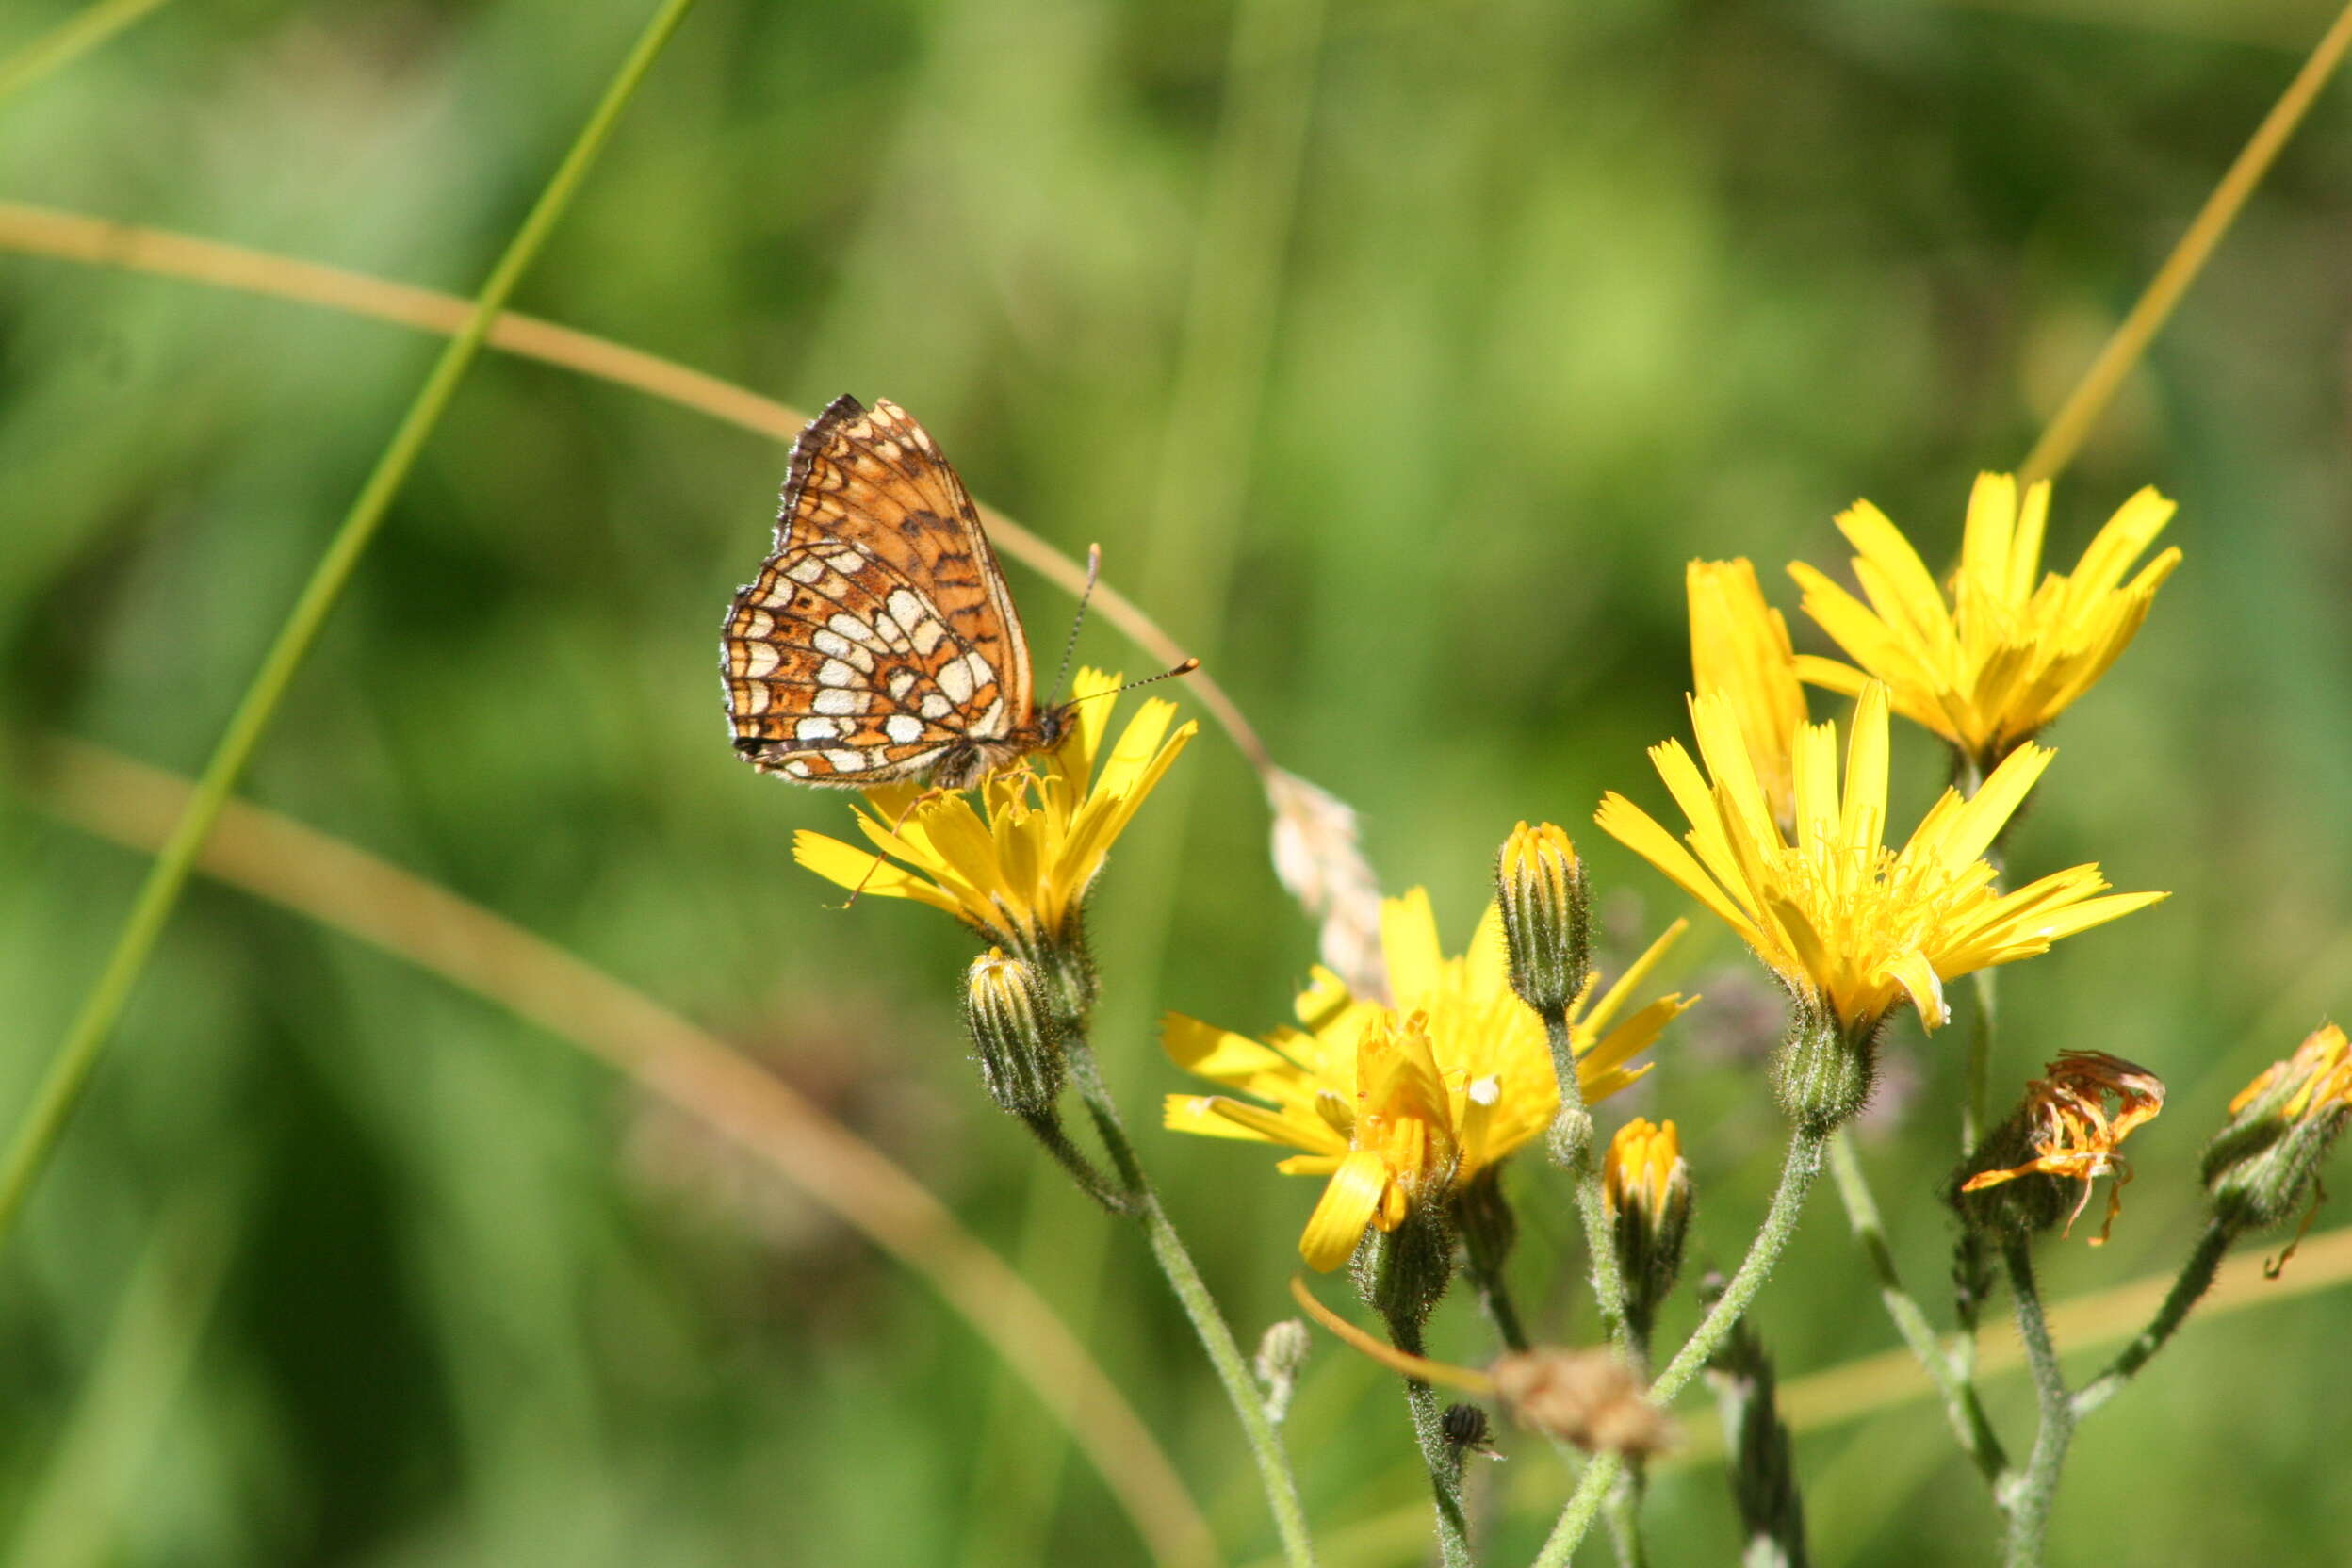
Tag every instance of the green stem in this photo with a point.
(1217, 1336)
(1442, 1459)
(1576, 1153)
(1772, 1238)
(1962, 1407)
(1486, 1276)
(1114, 1198)
(2030, 1498)
(69, 1069)
(68, 42)
(2196, 1277)
(1974, 1107)
(1623, 1515)
(1971, 1276)
(1780, 1222)
(1972, 776)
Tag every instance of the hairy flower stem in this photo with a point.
(1796, 1180)
(1486, 1276)
(2196, 1277)
(1113, 1198)
(1971, 1274)
(1973, 1106)
(2032, 1493)
(1574, 1147)
(1444, 1459)
(1183, 1278)
(1623, 1516)
(1962, 1407)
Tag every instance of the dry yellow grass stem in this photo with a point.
(2091, 395)
(73, 236)
(346, 888)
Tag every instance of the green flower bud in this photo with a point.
(1281, 1351)
(1402, 1274)
(2264, 1165)
(1540, 883)
(1014, 1036)
(1822, 1073)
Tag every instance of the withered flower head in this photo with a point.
(1587, 1397)
(2066, 1125)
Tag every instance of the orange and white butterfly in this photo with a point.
(879, 641)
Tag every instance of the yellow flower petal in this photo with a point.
(1409, 938)
(1354, 1195)
(1851, 925)
(1018, 863)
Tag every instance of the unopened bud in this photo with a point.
(1540, 883)
(1014, 1035)
(2265, 1163)
(1587, 1397)
(1646, 1185)
(1401, 1274)
(1281, 1351)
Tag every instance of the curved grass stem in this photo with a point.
(77, 1055)
(2098, 385)
(68, 42)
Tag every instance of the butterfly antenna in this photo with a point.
(1094, 570)
(1184, 668)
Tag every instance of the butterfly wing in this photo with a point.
(879, 638)
(873, 479)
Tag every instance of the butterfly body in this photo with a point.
(879, 641)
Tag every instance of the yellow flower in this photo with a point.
(1017, 873)
(2007, 656)
(1854, 928)
(1399, 1105)
(1641, 1167)
(2065, 1121)
(1740, 647)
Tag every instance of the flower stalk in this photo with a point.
(1963, 1408)
(2034, 1491)
(1208, 1322)
(1803, 1163)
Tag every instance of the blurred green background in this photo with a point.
(1399, 354)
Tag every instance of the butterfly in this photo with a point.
(879, 641)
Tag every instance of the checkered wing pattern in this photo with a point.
(879, 641)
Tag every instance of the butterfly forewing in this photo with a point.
(879, 640)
